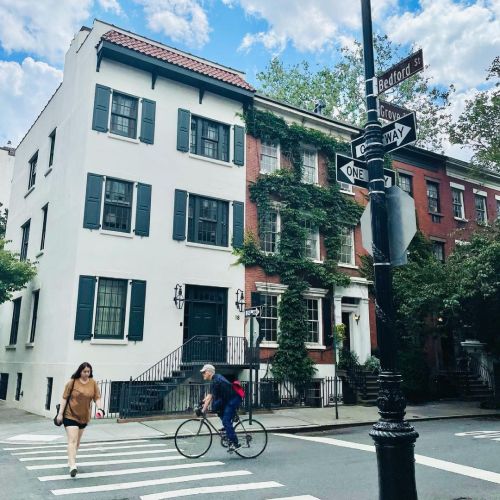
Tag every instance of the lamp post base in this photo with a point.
(394, 441)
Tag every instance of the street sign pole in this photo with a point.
(394, 438)
(250, 382)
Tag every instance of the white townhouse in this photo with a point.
(128, 191)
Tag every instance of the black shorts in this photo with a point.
(67, 422)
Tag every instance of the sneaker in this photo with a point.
(73, 471)
(234, 447)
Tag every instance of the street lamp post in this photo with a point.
(394, 437)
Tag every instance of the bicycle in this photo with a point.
(194, 437)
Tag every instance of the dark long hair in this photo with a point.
(80, 369)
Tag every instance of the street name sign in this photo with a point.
(401, 221)
(394, 135)
(254, 311)
(390, 112)
(353, 171)
(400, 71)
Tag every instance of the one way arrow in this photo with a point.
(397, 134)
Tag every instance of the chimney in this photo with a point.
(319, 106)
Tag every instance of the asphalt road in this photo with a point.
(456, 459)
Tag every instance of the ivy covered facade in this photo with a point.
(302, 242)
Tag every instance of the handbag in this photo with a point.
(58, 406)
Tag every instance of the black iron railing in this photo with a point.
(470, 365)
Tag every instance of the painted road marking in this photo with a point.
(300, 497)
(97, 448)
(107, 462)
(53, 446)
(139, 470)
(35, 437)
(150, 482)
(463, 470)
(92, 455)
(493, 435)
(212, 489)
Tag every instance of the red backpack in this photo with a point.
(238, 388)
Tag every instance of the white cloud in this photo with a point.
(24, 90)
(309, 27)
(459, 39)
(111, 6)
(44, 28)
(182, 20)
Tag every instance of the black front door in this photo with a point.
(4, 382)
(205, 317)
(346, 319)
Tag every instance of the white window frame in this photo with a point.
(345, 187)
(273, 343)
(497, 199)
(309, 150)
(275, 208)
(483, 196)
(320, 342)
(278, 156)
(315, 233)
(124, 339)
(352, 263)
(460, 190)
(138, 118)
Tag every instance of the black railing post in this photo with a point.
(394, 437)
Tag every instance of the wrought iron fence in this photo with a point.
(119, 399)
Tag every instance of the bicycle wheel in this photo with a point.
(193, 438)
(253, 438)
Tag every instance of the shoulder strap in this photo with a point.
(69, 397)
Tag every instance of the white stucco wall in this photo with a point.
(71, 251)
(6, 171)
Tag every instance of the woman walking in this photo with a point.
(74, 411)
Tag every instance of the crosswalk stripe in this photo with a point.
(107, 462)
(300, 497)
(97, 448)
(92, 455)
(151, 482)
(50, 446)
(140, 470)
(205, 490)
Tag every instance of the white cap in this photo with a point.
(208, 368)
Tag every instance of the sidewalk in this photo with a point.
(18, 426)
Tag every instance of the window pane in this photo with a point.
(269, 317)
(405, 183)
(309, 166)
(268, 158)
(268, 231)
(209, 138)
(207, 221)
(433, 197)
(124, 115)
(458, 202)
(117, 206)
(312, 320)
(312, 241)
(347, 246)
(480, 203)
(438, 250)
(110, 312)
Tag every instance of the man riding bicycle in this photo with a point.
(225, 402)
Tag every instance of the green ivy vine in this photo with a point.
(323, 207)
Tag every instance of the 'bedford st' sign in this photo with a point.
(401, 71)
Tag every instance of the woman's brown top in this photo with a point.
(82, 395)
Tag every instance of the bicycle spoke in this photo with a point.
(193, 438)
(252, 437)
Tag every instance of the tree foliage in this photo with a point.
(14, 274)
(341, 87)
(3, 221)
(479, 125)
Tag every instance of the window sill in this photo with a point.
(270, 345)
(39, 254)
(48, 171)
(437, 214)
(350, 193)
(348, 266)
(30, 190)
(209, 247)
(262, 172)
(108, 341)
(106, 232)
(211, 160)
(461, 219)
(314, 346)
(10, 347)
(29, 345)
(123, 138)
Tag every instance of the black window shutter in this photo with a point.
(183, 124)
(143, 210)
(92, 213)
(327, 322)
(179, 232)
(238, 223)
(101, 108)
(85, 308)
(137, 305)
(148, 121)
(239, 145)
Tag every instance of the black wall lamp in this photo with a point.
(178, 297)
(240, 300)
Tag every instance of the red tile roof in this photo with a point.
(181, 60)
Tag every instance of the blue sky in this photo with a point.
(459, 38)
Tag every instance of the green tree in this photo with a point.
(341, 87)
(479, 125)
(14, 274)
(3, 221)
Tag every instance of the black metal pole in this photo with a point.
(394, 437)
(250, 409)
